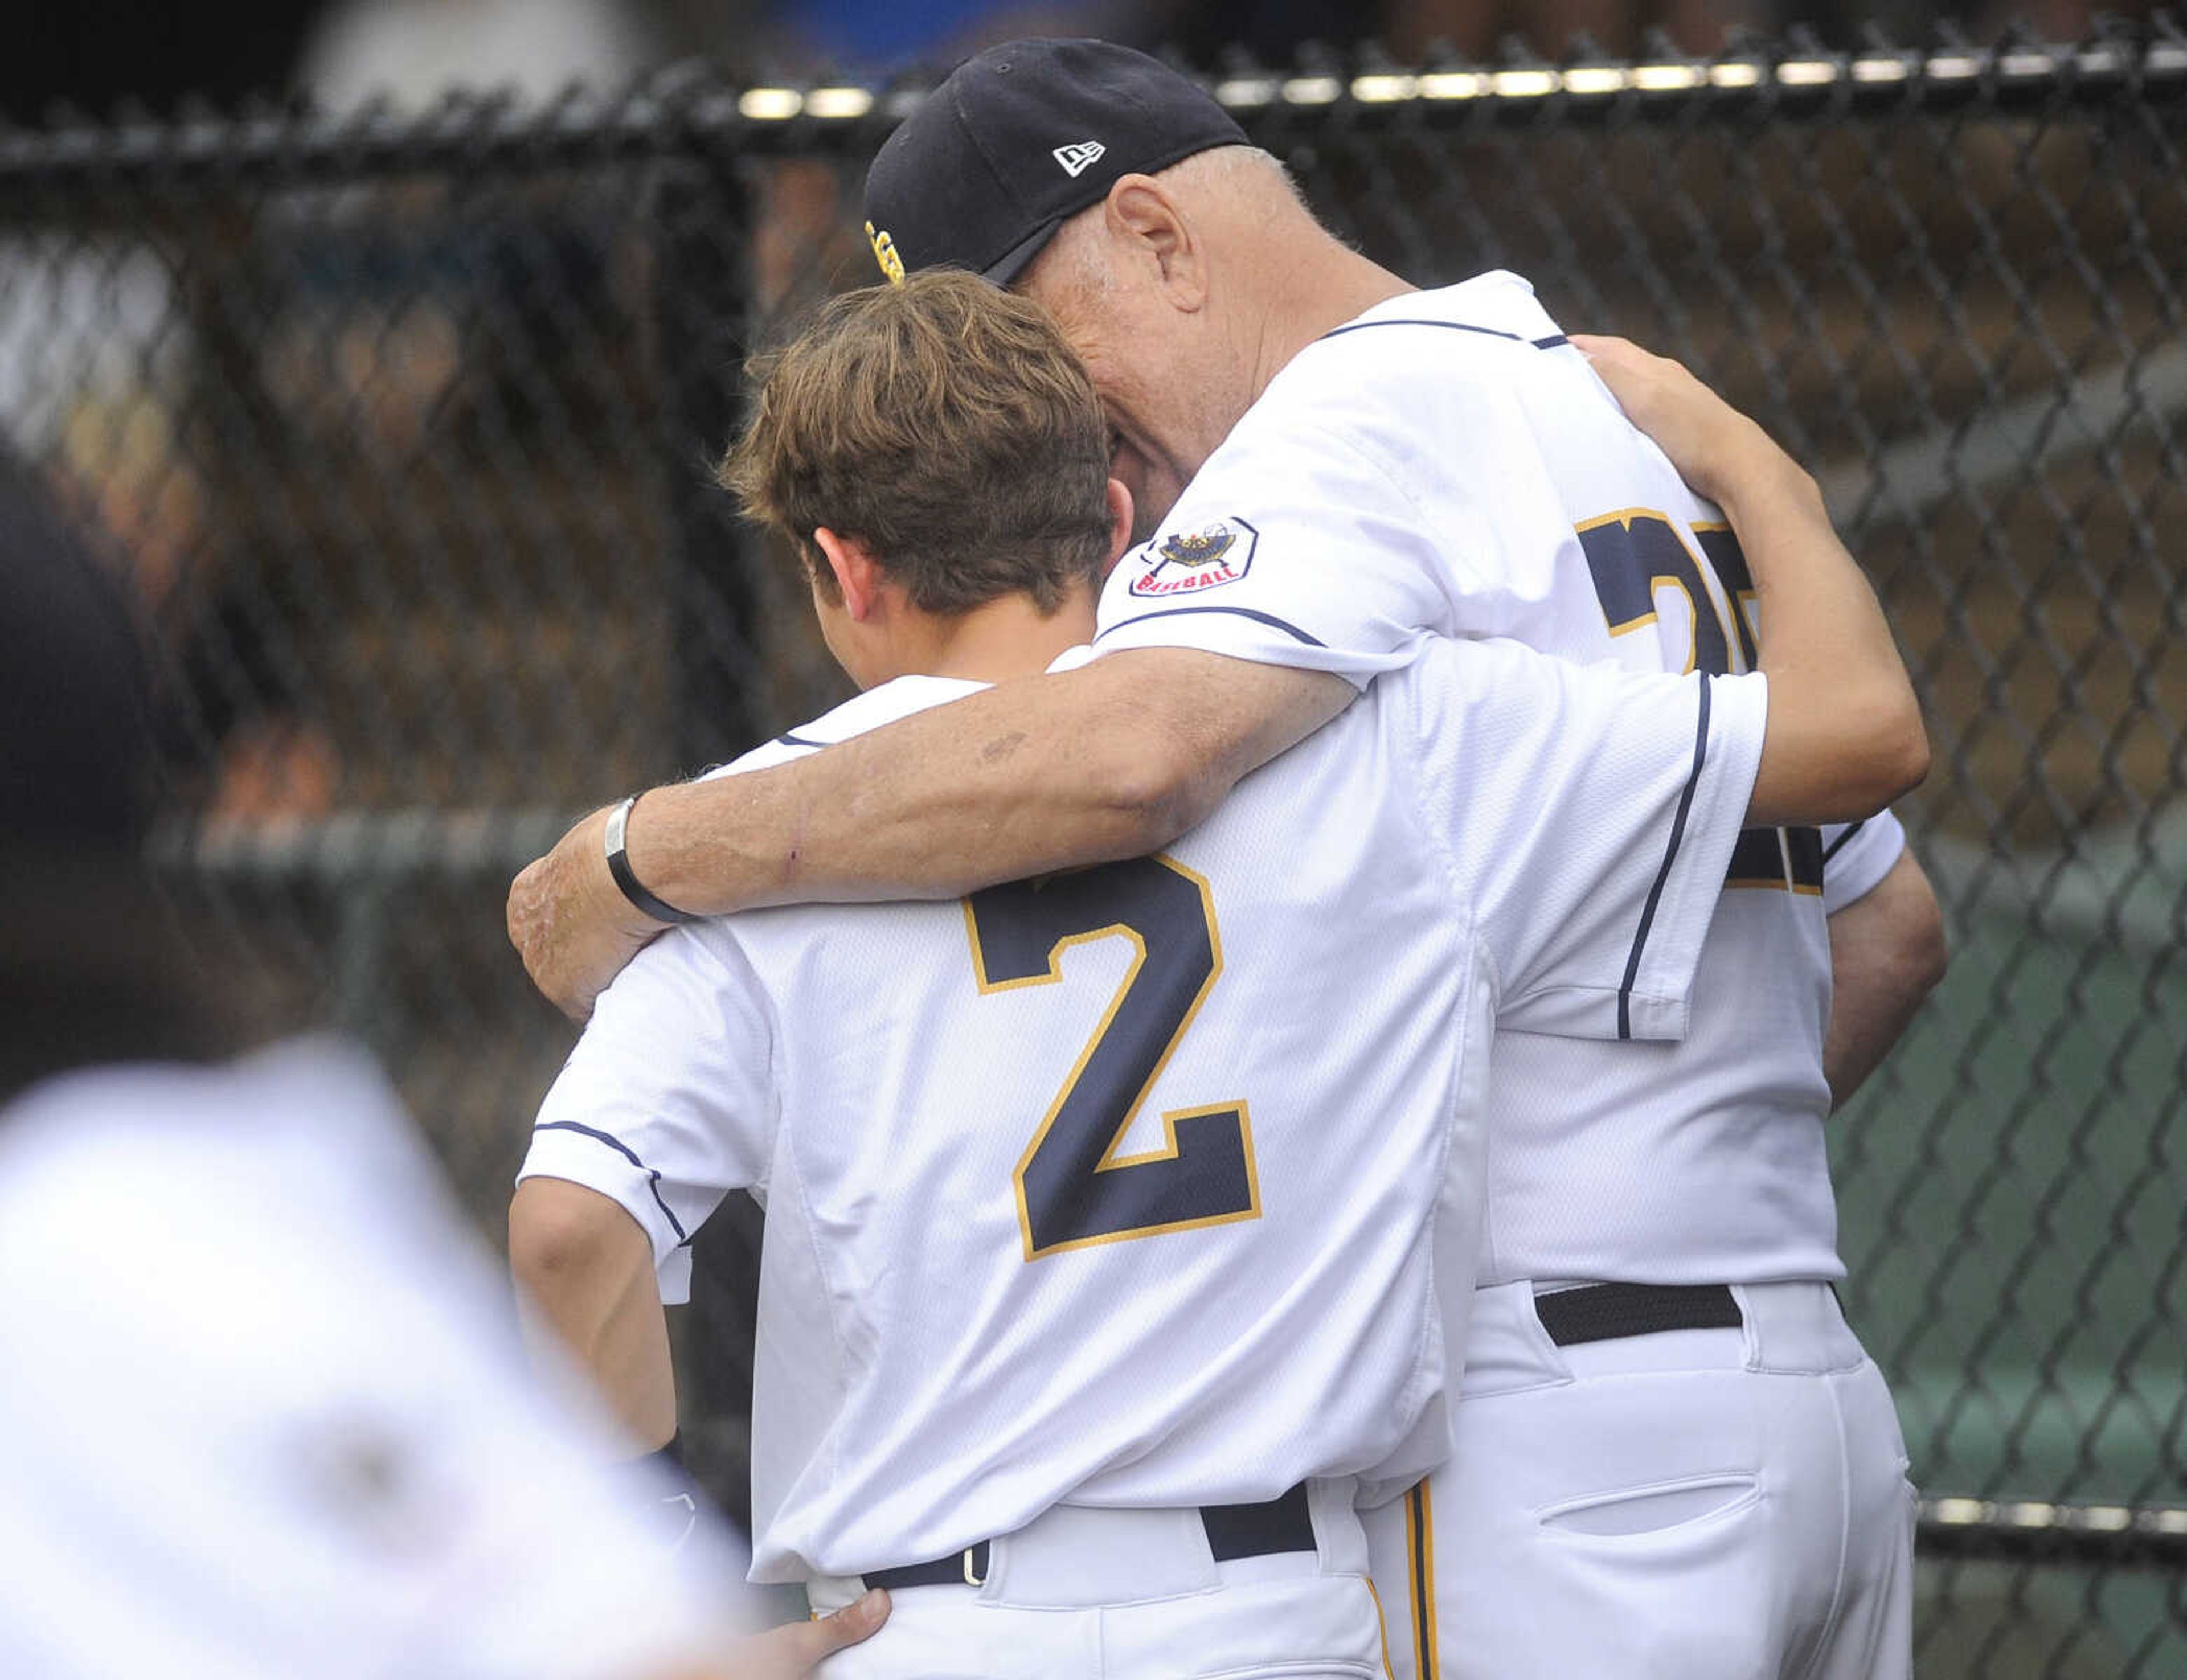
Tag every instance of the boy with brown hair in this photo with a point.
(934, 459)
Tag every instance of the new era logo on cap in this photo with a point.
(1074, 159)
(973, 177)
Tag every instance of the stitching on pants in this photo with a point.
(1845, 1533)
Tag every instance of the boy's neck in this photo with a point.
(1007, 637)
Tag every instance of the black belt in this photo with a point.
(1600, 1311)
(1282, 1524)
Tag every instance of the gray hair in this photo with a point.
(1076, 261)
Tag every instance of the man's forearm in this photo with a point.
(1845, 735)
(1810, 591)
(1044, 774)
(1845, 726)
(998, 784)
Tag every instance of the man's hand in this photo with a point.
(574, 929)
(796, 1649)
(1710, 443)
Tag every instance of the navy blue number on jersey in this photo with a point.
(1074, 1188)
(1633, 557)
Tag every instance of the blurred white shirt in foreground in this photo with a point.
(265, 1412)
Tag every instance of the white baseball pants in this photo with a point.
(1693, 1504)
(1086, 1594)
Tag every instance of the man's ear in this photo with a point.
(1145, 218)
(1120, 523)
(858, 574)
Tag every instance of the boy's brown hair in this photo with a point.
(943, 423)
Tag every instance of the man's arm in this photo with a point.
(588, 1268)
(587, 1277)
(586, 1272)
(1845, 728)
(1118, 757)
(1110, 761)
(1886, 953)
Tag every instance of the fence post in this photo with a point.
(701, 316)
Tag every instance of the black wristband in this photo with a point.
(619, 866)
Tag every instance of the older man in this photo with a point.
(1671, 1456)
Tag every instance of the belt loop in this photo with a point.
(1750, 1326)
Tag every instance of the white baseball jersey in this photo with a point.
(1445, 465)
(1117, 1188)
(265, 1412)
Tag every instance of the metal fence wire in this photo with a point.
(401, 426)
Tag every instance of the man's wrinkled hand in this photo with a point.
(791, 1652)
(1709, 442)
(574, 929)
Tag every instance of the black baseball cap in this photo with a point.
(1020, 139)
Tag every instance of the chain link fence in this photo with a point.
(400, 428)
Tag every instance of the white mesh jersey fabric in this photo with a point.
(266, 1412)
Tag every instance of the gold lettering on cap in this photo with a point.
(884, 254)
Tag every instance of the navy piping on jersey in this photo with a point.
(1269, 619)
(1670, 855)
(652, 1176)
(787, 739)
(1851, 828)
(1554, 341)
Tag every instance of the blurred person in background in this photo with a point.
(108, 369)
(1415, 31)
(1476, 28)
(412, 51)
(265, 1412)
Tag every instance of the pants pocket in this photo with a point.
(1651, 1509)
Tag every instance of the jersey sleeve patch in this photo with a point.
(1190, 562)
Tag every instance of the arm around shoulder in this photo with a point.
(1845, 733)
(1846, 736)
(1109, 761)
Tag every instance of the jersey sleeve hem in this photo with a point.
(601, 1162)
(1734, 717)
(1857, 857)
(1238, 632)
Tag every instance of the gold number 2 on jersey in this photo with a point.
(1635, 554)
(1073, 1188)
